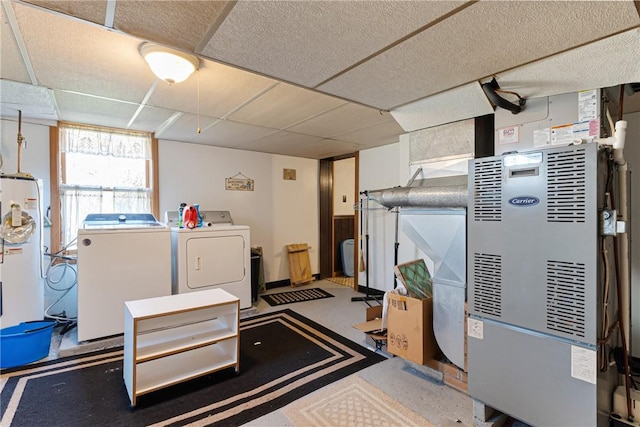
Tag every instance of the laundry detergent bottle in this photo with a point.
(189, 217)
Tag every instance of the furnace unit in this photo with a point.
(536, 272)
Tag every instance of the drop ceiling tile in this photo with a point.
(149, 119)
(284, 138)
(181, 24)
(185, 129)
(75, 56)
(13, 67)
(227, 133)
(304, 42)
(222, 90)
(346, 118)
(283, 106)
(373, 136)
(92, 11)
(450, 106)
(324, 149)
(35, 102)
(280, 142)
(605, 67)
(311, 149)
(460, 50)
(79, 108)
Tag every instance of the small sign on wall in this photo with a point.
(238, 182)
(289, 174)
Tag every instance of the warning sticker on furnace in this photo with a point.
(475, 328)
(583, 364)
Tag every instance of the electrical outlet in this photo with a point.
(608, 222)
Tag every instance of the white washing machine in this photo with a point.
(216, 255)
(121, 257)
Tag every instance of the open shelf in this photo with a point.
(172, 339)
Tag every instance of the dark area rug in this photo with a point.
(289, 297)
(283, 356)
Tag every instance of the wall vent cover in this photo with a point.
(566, 186)
(487, 286)
(566, 298)
(487, 185)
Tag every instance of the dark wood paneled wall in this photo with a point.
(326, 214)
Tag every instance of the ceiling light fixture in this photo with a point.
(169, 65)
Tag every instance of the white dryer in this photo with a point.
(216, 255)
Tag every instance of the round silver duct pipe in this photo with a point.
(449, 196)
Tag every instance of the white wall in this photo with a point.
(344, 186)
(380, 168)
(279, 211)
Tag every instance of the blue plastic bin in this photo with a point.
(25, 343)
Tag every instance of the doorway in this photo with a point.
(338, 218)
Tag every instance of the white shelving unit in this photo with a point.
(175, 338)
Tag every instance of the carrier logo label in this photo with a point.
(524, 201)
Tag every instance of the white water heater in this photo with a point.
(22, 287)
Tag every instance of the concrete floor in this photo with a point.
(415, 387)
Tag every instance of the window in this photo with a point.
(100, 170)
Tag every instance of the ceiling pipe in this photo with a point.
(491, 90)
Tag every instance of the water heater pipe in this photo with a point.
(623, 210)
(619, 140)
(20, 140)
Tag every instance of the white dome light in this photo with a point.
(169, 65)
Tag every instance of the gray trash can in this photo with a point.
(346, 248)
(256, 260)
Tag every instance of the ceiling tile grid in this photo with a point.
(93, 11)
(226, 133)
(150, 118)
(373, 136)
(591, 66)
(349, 62)
(105, 112)
(34, 101)
(181, 24)
(13, 67)
(481, 40)
(346, 118)
(72, 55)
(186, 127)
(304, 42)
(284, 106)
(219, 89)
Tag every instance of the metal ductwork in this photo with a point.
(433, 216)
(440, 197)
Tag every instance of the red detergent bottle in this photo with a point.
(190, 217)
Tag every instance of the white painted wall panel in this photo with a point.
(344, 186)
(279, 212)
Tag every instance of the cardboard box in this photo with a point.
(410, 329)
(373, 322)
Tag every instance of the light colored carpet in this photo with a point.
(344, 281)
(351, 402)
